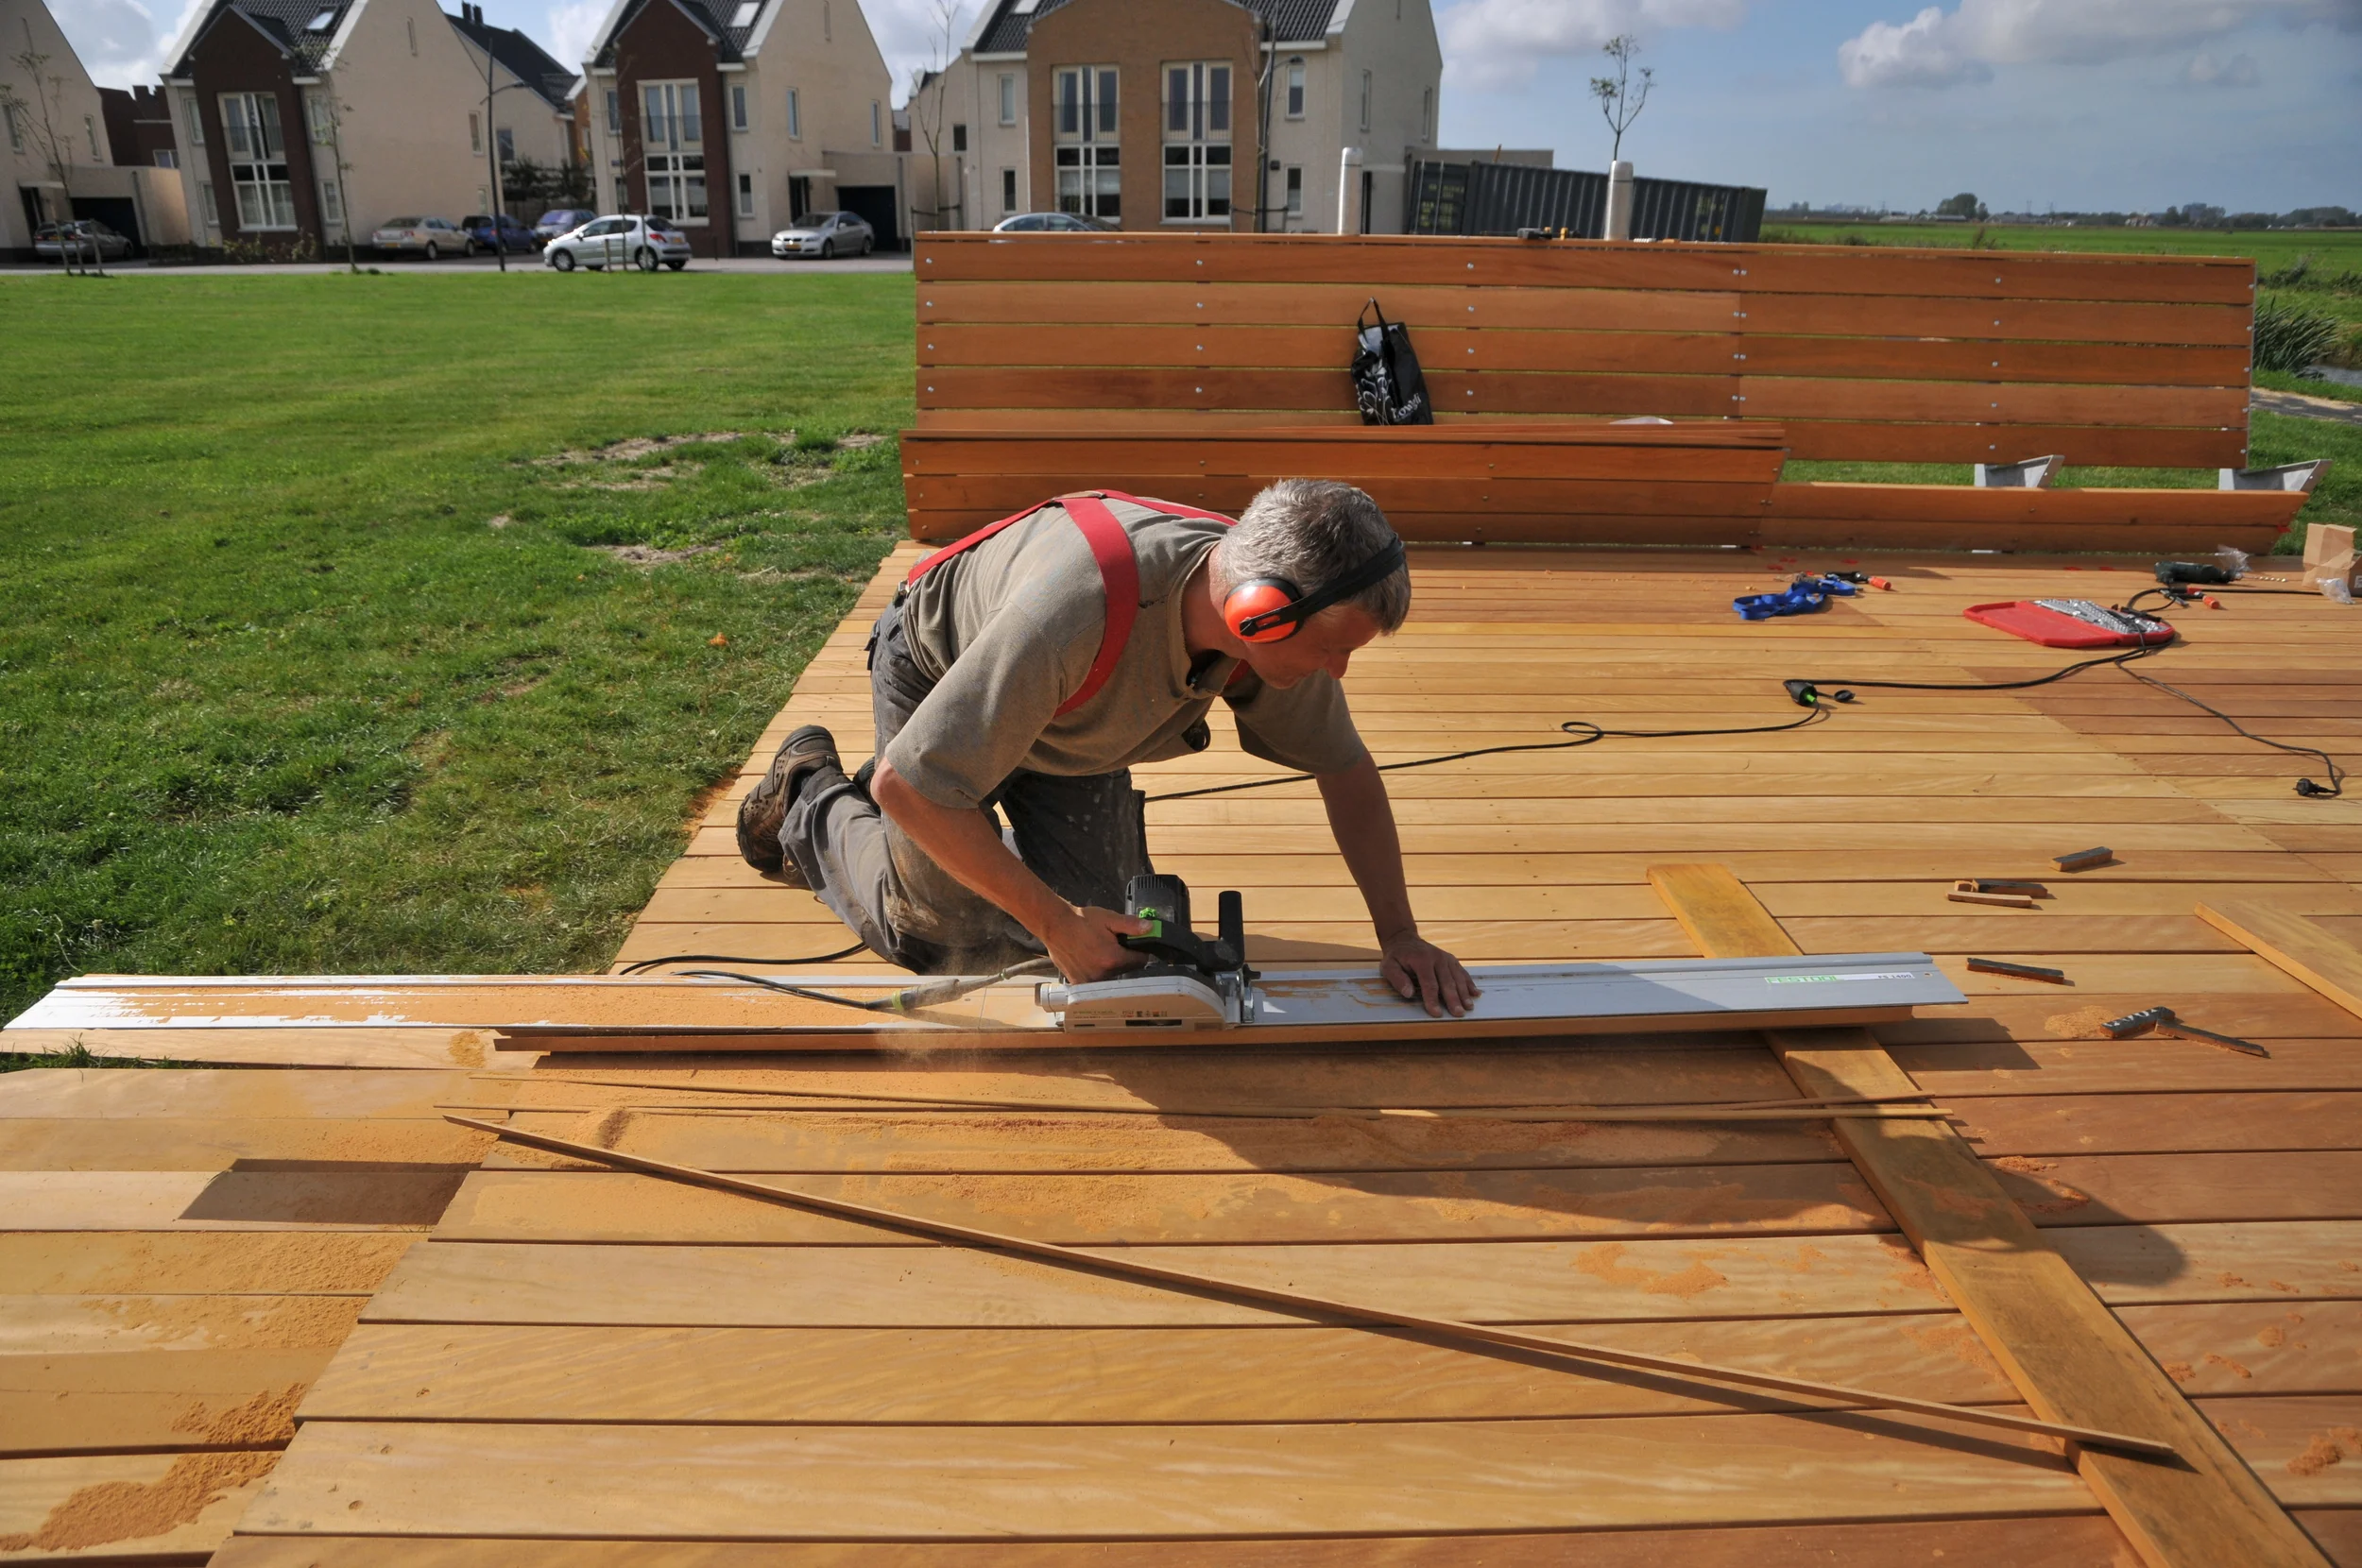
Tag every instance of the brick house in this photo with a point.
(64, 150)
(1181, 114)
(139, 128)
(732, 117)
(265, 91)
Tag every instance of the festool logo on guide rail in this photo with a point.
(1822, 979)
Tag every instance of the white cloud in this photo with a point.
(118, 41)
(573, 28)
(2238, 70)
(1503, 42)
(1938, 49)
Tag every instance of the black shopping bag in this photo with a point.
(1386, 379)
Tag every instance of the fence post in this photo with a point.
(1348, 191)
(1618, 200)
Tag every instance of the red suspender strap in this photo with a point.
(1119, 569)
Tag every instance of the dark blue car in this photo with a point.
(514, 237)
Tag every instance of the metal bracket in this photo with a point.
(2035, 473)
(2299, 477)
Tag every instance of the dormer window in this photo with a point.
(744, 15)
(321, 23)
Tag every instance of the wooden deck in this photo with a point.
(583, 1367)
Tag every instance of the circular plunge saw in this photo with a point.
(1190, 982)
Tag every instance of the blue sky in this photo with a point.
(2132, 104)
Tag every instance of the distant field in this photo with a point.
(2336, 250)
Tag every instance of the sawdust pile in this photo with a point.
(140, 1510)
(2326, 1449)
(266, 1420)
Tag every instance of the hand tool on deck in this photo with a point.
(2022, 971)
(2162, 1020)
(2002, 884)
(2084, 859)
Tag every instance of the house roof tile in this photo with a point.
(525, 59)
(1292, 21)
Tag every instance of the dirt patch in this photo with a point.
(861, 440)
(648, 554)
(141, 1511)
(634, 447)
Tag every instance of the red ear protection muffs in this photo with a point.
(1269, 609)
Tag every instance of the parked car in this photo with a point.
(825, 234)
(618, 239)
(1048, 222)
(561, 220)
(433, 238)
(514, 237)
(87, 238)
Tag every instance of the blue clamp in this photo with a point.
(1806, 595)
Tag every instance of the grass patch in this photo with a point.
(327, 647)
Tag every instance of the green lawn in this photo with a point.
(319, 655)
(311, 660)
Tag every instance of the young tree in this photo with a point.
(326, 115)
(55, 144)
(927, 109)
(1620, 99)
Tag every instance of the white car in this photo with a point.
(620, 239)
(433, 238)
(825, 234)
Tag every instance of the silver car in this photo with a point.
(88, 239)
(825, 235)
(433, 238)
(620, 239)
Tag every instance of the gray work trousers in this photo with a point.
(1086, 837)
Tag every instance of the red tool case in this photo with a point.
(2071, 623)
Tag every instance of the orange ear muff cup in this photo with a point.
(1259, 596)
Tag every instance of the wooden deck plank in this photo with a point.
(2019, 1294)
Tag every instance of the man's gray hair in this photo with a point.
(1310, 532)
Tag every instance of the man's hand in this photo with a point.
(1084, 947)
(1422, 972)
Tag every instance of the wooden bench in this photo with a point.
(1874, 355)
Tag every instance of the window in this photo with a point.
(258, 161)
(331, 206)
(1426, 114)
(320, 117)
(1197, 141)
(614, 113)
(505, 139)
(738, 107)
(1365, 100)
(205, 205)
(876, 131)
(744, 15)
(1296, 191)
(827, 24)
(673, 134)
(1088, 156)
(959, 137)
(1296, 89)
(16, 128)
(1008, 190)
(197, 122)
(746, 196)
(90, 129)
(1008, 99)
(321, 22)
(410, 27)
(795, 117)
(167, 158)
(476, 133)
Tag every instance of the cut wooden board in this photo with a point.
(118, 1508)
(1135, 1482)
(199, 1263)
(2066, 1353)
(114, 1324)
(2056, 1541)
(2132, 1123)
(954, 1288)
(154, 1402)
(226, 1200)
(2286, 1262)
(2292, 943)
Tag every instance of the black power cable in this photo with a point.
(734, 958)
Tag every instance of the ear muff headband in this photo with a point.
(1267, 610)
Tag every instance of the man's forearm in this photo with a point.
(964, 844)
(1362, 819)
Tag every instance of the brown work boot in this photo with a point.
(761, 814)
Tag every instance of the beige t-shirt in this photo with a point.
(1008, 630)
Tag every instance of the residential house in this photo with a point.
(296, 116)
(59, 150)
(533, 111)
(1182, 114)
(732, 117)
(139, 126)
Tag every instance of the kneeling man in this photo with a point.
(1027, 668)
